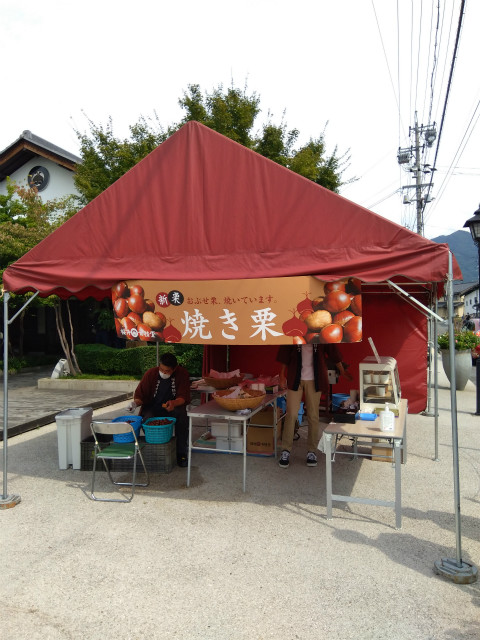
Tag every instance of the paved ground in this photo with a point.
(30, 407)
(213, 563)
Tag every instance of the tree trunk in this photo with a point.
(72, 342)
(63, 338)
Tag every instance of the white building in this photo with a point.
(470, 301)
(31, 160)
(465, 300)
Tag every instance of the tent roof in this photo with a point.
(202, 207)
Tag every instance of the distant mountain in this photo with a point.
(465, 251)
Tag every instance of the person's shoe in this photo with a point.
(182, 461)
(311, 459)
(284, 459)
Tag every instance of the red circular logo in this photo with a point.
(162, 299)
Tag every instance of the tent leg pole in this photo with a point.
(435, 379)
(431, 354)
(6, 501)
(454, 569)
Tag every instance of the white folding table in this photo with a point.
(368, 433)
(211, 410)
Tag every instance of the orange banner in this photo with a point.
(300, 309)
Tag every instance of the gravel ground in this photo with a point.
(210, 562)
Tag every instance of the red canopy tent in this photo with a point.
(202, 207)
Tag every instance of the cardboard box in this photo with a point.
(263, 417)
(260, 440)
(379, 454)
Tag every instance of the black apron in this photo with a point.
(163, 394)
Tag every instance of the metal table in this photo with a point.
(211, 410)
(358, 432)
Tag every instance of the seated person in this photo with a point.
(164, 391)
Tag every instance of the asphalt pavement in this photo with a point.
(210, 562)
(30, 407)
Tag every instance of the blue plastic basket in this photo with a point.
(135, 421)
(158, 433)
(338, 398)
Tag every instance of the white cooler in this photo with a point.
(220, 429)
(73, 426)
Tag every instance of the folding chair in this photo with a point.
(116, 451)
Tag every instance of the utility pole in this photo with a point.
(411, 156)
(418, 180)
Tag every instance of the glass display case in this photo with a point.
(379, 383)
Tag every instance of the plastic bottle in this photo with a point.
(387, 418)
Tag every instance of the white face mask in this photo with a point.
(164, 376)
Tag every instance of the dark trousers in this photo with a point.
(181, 425)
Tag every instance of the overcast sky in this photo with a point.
(362, 66)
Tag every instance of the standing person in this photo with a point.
(468, 323)
(304, 372)
(164, 391)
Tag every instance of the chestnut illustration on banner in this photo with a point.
(135, 315)
(294, 326)
(335, 316)
(318, 319)
(171, 333)
(155, 321)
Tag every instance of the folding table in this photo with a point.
(211, 410)
(364, 432)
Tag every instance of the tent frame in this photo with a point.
(7, 501)
(432, 317)
(454, 569)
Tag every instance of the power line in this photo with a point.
(411, 59)
(428, 63)
(370, 206)
(398, 74)
(418, 55)
(435, 62)
(388, 154)
(449, 84)
(385, 56)
(458, 155)
(446, 53)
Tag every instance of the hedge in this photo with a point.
(100, 359)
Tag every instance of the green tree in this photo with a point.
(106, 158)
(312, 162)
(25, 220)
(231, 112)
(276, 143)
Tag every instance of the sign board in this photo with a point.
(298, 310)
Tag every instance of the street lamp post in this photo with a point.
(473, 224)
